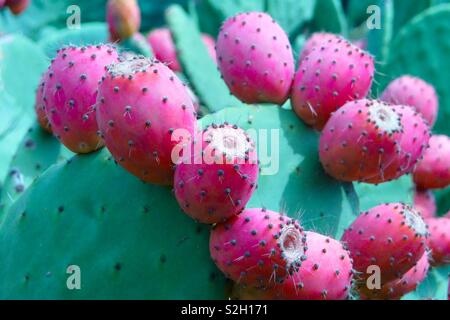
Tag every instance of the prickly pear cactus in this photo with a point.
(129, 239)
(291, 178)
(62, 214)
(36, 152)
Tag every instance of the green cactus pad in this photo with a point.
(357, 11)
(298, 185)
(22, 63)
(404, 11)
(138, 44)
(329, 16)
(229, 8)
(422, 48)
(197, 64)
(90, 33)
(393, 191)
(36, 152)
(442, 200)
(291, 14)
(378, 40)
(129, 239)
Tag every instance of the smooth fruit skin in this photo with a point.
(39, 107)
(391, 236)
(70, 93)
(333, 73)
(255, 58)
(314, 40)
(415, 92)
(140, 105)
(123, 17)
(212, 189)
(433, 171)
(439, 240)
(372, 142)
(414, 140)
(257, 248)
(17, 6)
(164, 49)
(397, 288)
(425, 203)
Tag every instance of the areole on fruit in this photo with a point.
(129, 66)
(290, 243)
(385, 118)
(414, 220)
(226, 142)
(259, 247)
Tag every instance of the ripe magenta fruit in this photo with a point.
(390, 236)
(258, 247)
(372, 142)
(218, 179)
(314, 40)
(333, 73)
(439, 240)
(255, 58)
(39, 107)
(397, 288)
(70, 93)
(433, 171)
(412, 91)
(141, 103)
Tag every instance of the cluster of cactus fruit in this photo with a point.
(146, 116)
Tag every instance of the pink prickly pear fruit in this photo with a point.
(390, 236)
(433, 171)
(326, 272)
(397, 288)
(314, 40)
(372, 142)
(164, 49)
(415, 138)
(39, 107)
(439, 240)
(217, 180)
(70, 93)
(415, 92)
(255, 58)
(425, 203)
(144, 112)
(123, 17)
(258, 248)
(17, 6)
(335, 72)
